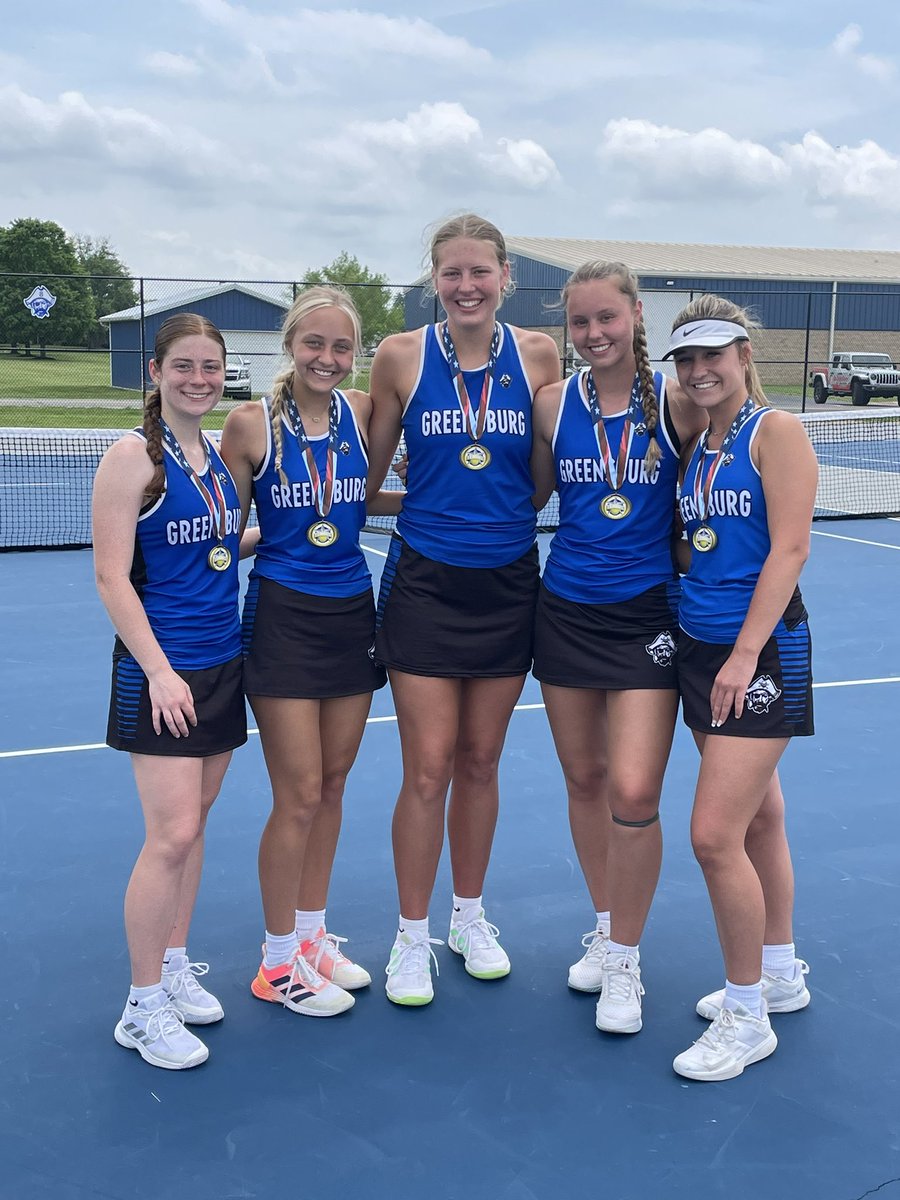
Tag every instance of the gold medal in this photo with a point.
(475, 456)
(322, 534)
(704, 539)
(219, 558)
(615, 506)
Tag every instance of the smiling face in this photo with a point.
(601, 320)
(714, 377)
(322, 346)
(469, 281)
(190, 376)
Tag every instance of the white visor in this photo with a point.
(708, 333)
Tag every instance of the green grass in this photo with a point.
(58, 416)
(63, 375)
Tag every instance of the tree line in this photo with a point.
(89, 281)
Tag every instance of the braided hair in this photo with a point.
(627, 283)
(180, 326)
(308, 301)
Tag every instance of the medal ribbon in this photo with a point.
(216, 504)
(701, 500)
(322, 490)
(475, 428)
(634, 416)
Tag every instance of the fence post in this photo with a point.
(806, 349)
(141, 301)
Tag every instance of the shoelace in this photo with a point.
(721, 1032)
(306, 973)
(413, 957)
(482, 934)
(621, 982)
(331, 943)
(594, 942)
(185, 980)
(163, 1022)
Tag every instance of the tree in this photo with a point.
(41, 253)
(110, 280)
(380, 308)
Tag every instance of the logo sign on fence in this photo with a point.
(40, 302)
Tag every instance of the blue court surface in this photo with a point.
(497, 1091)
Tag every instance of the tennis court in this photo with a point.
(497, 1091)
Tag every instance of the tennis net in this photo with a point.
(46, 477)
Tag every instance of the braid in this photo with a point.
(153, 433)
(648, 393)
(279, 388)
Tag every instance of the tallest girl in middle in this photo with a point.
(458, 591)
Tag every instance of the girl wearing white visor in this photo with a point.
(744, 670)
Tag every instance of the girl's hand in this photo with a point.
(401, 467)
(173, 703)
(729, 690)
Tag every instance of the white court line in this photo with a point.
(372, 550)
(392, 717)
(842, 537)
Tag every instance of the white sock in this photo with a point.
(413, 928)
(617, 950)
(747, 994)
(462, 904)
(779, 960)
(172, 952)
(603, 920)
(139, 995)
(280, 948)
(309, 923)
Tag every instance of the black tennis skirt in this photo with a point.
(779, 701)
(218, 704)
(456, 622)
(307, 647)
(615, 647)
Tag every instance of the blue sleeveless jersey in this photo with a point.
(593, 559)
(192, 609)
(717, 591)
(287, 511)
(452, 514)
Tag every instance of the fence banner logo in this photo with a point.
(39, 302)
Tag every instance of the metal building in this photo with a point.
(248, 315)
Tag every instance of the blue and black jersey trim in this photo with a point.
(129, 682)
(387, 578)
(794, 655)
(248, 615)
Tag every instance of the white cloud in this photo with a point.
(865, 173)
(430, 127)
(340, 34)
(71, 132)
(522, 161)
(446, 132)
(711, 165)
(846, 45)
(174, 66)
(673, 161)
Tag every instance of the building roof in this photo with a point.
(723, 262)
(277, 294)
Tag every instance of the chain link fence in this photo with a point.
(62, 364)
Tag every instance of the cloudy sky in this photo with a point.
(256, 140)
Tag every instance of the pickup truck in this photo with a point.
(859, 376)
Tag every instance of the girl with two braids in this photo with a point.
(166, 520)
(609, 440)
(744, 667)
(308, 630)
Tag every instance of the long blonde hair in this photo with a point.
(716, 308)
(627, 283)
(308, 301)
